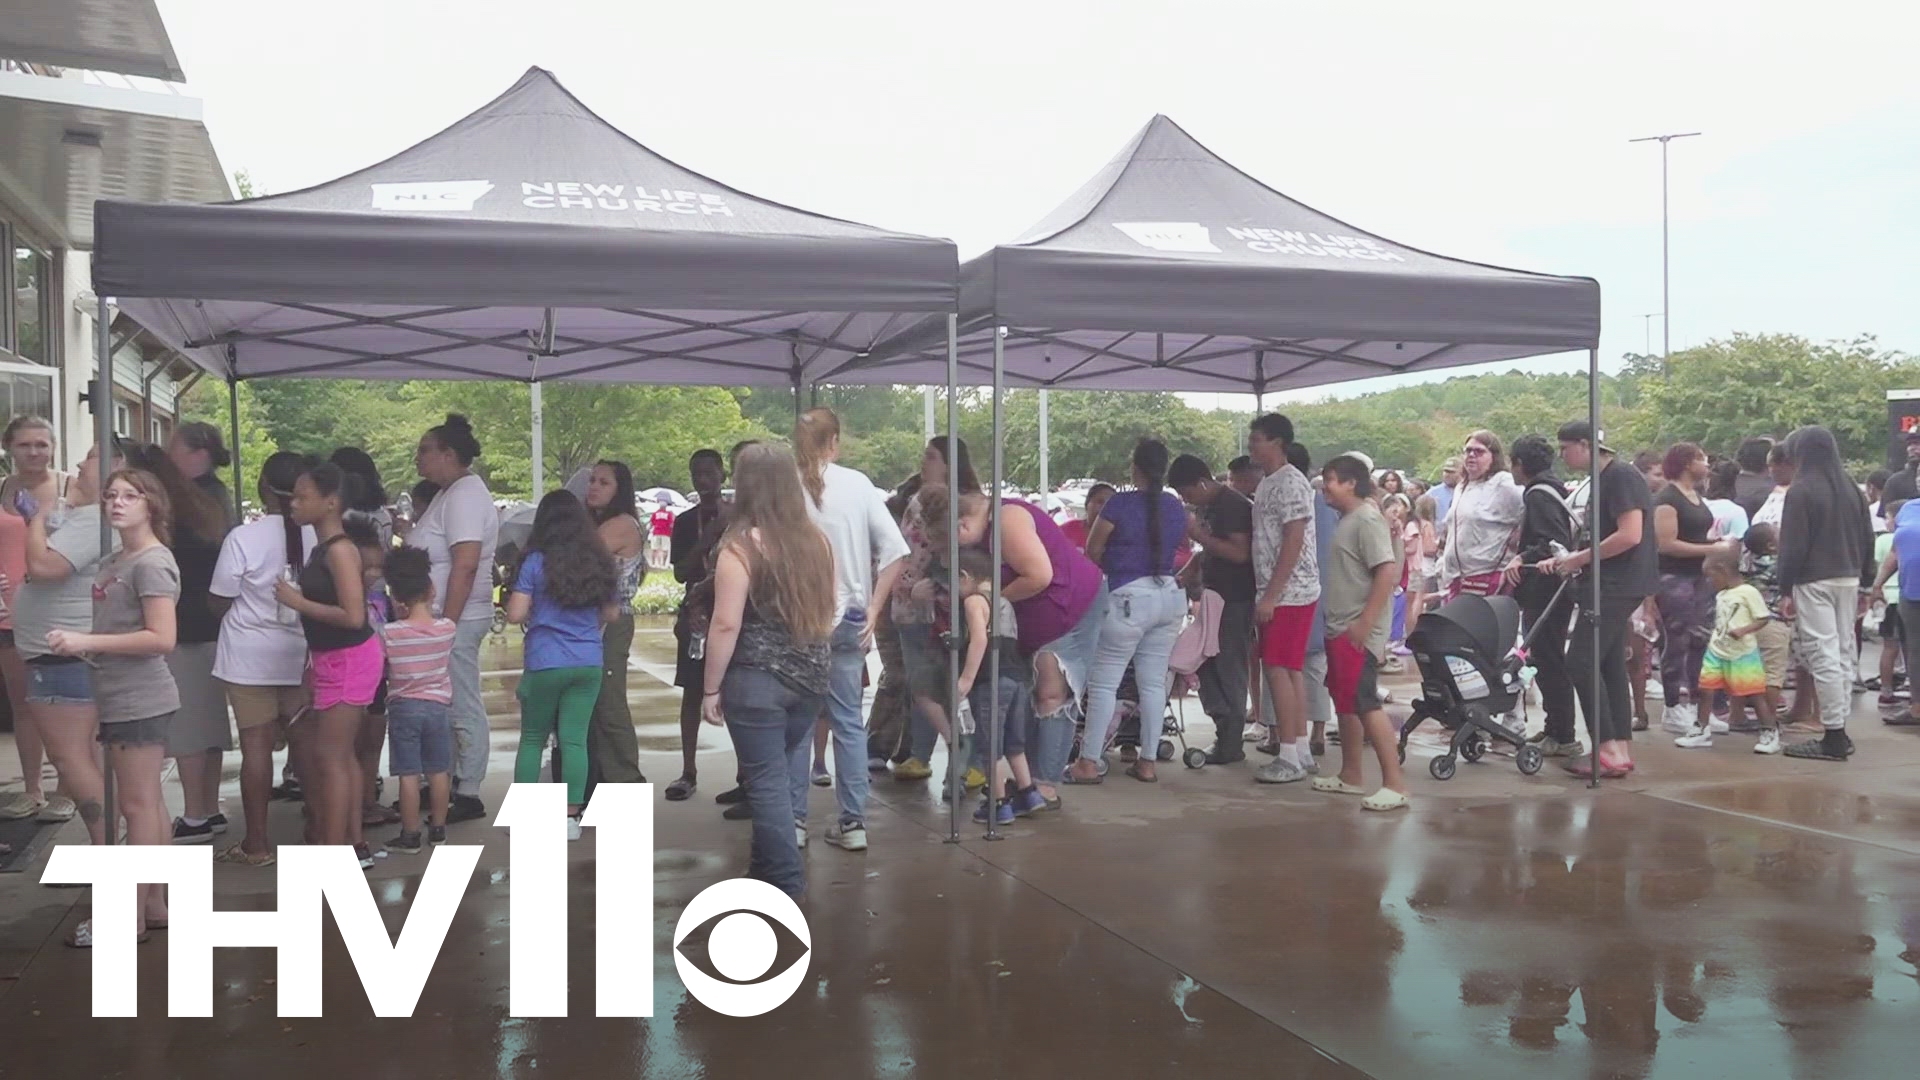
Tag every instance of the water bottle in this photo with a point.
(286, 615)
(697, 646)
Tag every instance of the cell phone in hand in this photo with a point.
(25, 504)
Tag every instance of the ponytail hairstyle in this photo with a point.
(1150, 461)
(192, 512)
(370, 496)
(334, 482)
(200, 435)
(969, 480)
(277, 475)
(814, 434)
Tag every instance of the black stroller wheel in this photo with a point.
(1164, 752)
(1530, 759)
(1195, 757)
(1441, 767)
(1471, 747)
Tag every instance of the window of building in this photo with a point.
(159, 430)
(29, 282)
(123, 420)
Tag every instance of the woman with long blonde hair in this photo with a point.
(768, 645)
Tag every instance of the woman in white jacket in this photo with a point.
(1480, 527)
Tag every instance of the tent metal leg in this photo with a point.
(955, 773)
(932, 426)
(539, 462)
(233, 419)
(103, 441)
(993, 593)
(1045, 486)
(1593, 538)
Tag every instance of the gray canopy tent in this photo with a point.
(530, 241)
(1173, 270)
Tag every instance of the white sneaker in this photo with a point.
(1696, 741)
(1718, 726)
(1769, 742)
(1674, 721)
(850, 837)
(800, 835)
(573, 828)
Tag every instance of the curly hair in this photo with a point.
(578, 570)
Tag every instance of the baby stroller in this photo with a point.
(1470, 677)
(1127, 728)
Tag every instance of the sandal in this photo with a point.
(82, 936)
(1072, 777)
(1333, 785)
(681, 790)
(1385, 799)
(239, 857)
(1133, 770)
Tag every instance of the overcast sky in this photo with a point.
(1485, 129)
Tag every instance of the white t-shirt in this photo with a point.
(1283, 498)
(256, 648)
(462, 514)
(863, 536)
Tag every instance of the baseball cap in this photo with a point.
(1581, 431)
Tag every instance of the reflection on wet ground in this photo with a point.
(1720, 915)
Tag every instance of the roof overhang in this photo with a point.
(122, 36)
(65, 142)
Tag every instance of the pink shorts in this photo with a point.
(1283, 641)
(347, 676)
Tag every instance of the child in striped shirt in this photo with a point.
(419, 690)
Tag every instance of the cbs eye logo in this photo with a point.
(741, 947)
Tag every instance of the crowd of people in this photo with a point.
(332, 627)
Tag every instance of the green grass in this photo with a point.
(658, 595)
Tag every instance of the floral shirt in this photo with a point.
(1284, 497)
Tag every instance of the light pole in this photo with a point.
(1647, 325)
(1666, 305)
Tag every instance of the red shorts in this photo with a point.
(1283, 641)
(1353, 680)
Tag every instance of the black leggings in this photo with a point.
(1547, 630)
(1611, 708)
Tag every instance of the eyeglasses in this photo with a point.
(1477, 451)
(124, 497)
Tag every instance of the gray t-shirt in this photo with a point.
(1361, 542)
(66, 604)
(133, 687)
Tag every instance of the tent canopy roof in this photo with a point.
(531, 239)
(1173, 270)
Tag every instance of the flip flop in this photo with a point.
(1134, 771)
(1070, 778)
(680, 790)
(1385, 799)
(239, 857)
(1333, 785)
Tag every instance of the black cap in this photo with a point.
(1581, 431)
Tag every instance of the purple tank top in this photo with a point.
(1047, 617)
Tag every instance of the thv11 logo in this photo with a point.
(746, 928)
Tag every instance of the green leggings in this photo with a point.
(563, 697)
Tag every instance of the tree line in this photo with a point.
(1715, 394)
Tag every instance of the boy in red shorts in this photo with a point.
(1363, 568)
(1288, 585)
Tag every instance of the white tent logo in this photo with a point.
(431, 195)
(1168, 235)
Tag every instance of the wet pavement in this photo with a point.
(1716, 914)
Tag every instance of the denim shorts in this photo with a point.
(419, 737)
(56, 680)
(147, 731)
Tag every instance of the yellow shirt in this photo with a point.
(1736, 609)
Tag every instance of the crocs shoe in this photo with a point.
(1385, 799)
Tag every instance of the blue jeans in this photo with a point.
(849, 732)
(1016, 717)
(1144, 618)
(768, 720)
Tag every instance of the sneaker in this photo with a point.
(184, 833)
(738, 812)
(1675, 721)
(1769, 742)
(1717, 726)
(1027, 803)
(912, 769)
(20, 805)
(1552, 747)
(59, 808)
(366, 855)
(848, 835)
(800, 835)
(219, 823)
(821, 778)
(407, 843)
(573, 828)
(732, 796)
(1003, 812)
(466, 808)
(876, 764)
(975, 779)
(436, 835)
(1698, 740)
(1394, 665)
(1279, 771)
(1221, 755)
